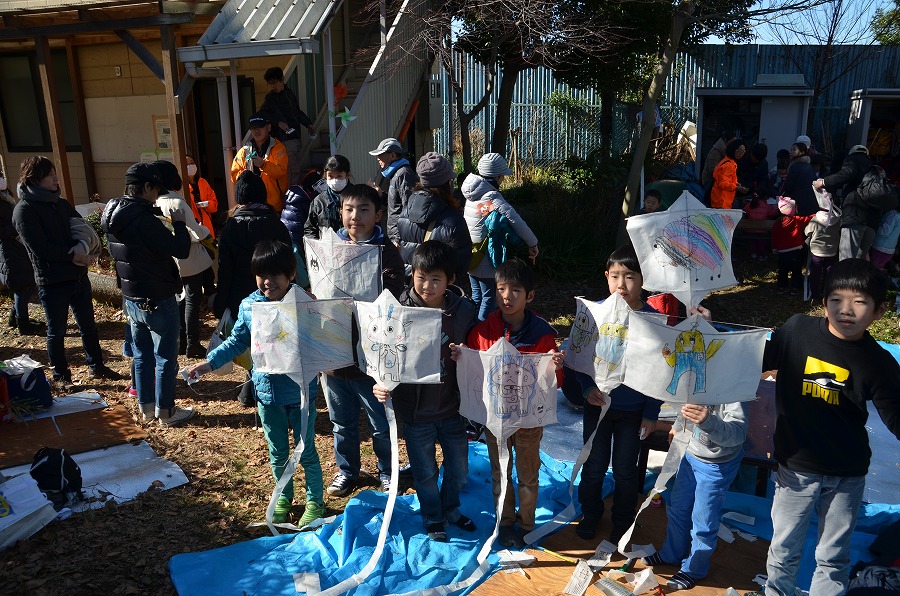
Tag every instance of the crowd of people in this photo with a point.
(434, 238)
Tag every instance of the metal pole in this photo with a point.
(235, 105)
(327, 60)
(227, 139)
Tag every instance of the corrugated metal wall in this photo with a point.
(852, 67)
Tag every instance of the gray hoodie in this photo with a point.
(721, 436)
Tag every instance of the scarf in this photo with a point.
(393, 167)
(36, 193)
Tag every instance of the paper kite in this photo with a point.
(693, 362)
(343, 270)
(685, 250)
(506, 390)
(398, 344)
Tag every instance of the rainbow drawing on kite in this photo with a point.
(388, 337)
(695, 243)
(612, 340)
(690, 356)
(513, 379)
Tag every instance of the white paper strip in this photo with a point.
(580, 580)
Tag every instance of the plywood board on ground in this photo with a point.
(733, 565)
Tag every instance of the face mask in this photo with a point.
(2, 184)
(336, 184)
(192, 169)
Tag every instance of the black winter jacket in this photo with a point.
(144, 249)
(400, 188)
(853, 210)
(426, 403)
(248, 225)
(295, 213)
(424, 210)
(16, 272)
(42, 220)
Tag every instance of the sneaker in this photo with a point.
(587, 528)
(312, 512)
(282, 510)
(132, 391)
(385, 483)
(196, 351)
(148, 411)
(341, 486)
(405, 471)
(64, 381)
(437, 532)
(174, 416)
(681, 581)
(101, 371)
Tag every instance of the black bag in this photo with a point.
(876, 190)
(57, 475)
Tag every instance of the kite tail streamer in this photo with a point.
(293, 461)
(568, 514)
(358, 578)
(670, 467)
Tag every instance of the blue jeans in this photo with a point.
(623, 429)
(836, 501)
(21, 298)
(484, 295)
(277, 422)
(56, 300)
(155, 346)
(694, 512)
(438, 505)
(344, 398)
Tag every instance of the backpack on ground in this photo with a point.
(58, 476)
(876, 190)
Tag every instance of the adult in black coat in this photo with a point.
(42, 220)
(858, 219)
(16, 272)
(432, 213)
(252, 220)
(798, 184)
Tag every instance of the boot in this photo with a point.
(196, 350)
(28, 327)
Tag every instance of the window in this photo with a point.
(22, 103)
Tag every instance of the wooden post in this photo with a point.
(57, 141)
(87, 154)
(176, 121)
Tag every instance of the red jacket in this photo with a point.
(787, 233)
(535, 337)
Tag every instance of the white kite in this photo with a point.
(506, 390)
(398, 344)
(299, 337)
(686, 249)
(693, 362)
(598, 340)
(338, 269)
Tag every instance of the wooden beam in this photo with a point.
(87, 154)
(176, 121)
(94, 26)
(141, 51)
(57, 140)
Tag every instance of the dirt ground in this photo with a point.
(124, 549)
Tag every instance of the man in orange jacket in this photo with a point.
(265, 156)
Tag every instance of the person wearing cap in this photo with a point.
(482, 192)
(265, 156)
(808, 143)
(283, 110)
(194, 268)
(143, 249)
(858, 220)
(42, 220)
(401, 178)
(432, 213)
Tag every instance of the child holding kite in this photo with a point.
(528, 333)
(430, 413)
(278, 396)
(325, 210)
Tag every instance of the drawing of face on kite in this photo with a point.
(512, 385)
(597, 341)
(506, 390)
(685, 250)
(340, 270)
(690, 356)
(387, 337)
(398, 344)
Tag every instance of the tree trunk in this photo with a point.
(680, 21)
(503, 112)
(465, 140)
(607, 99)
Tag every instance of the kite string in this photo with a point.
(217, 393)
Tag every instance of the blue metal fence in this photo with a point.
(547, 135)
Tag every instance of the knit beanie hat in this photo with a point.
(787, 205)
(249, 188)
(492, 165)
(169, 175)
(434, 170)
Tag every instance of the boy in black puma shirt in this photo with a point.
(827, 370)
